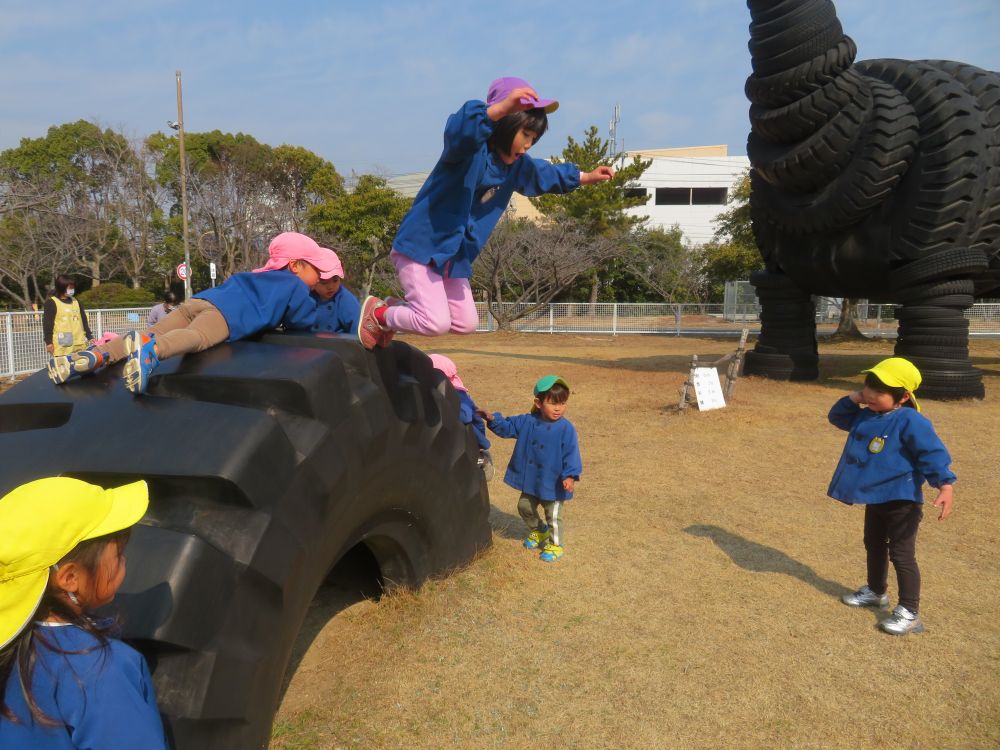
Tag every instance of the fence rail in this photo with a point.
(22, 349)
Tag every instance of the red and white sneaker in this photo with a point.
(371, 333)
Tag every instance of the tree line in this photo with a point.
(89, 201)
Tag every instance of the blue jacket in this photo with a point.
(887, 456)
(252, 302)
(102, 698)
(467, 413)
(545, 454)
(339, 314)
(467, 192)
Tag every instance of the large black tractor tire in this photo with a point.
(268, 462)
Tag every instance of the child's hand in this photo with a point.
(483, 414)
(856, 397)
(944, 500)
(568, 484)
(513, 103)
(601, 174)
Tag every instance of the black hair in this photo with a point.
(22, 652)
(170, 298)
(557, 394)
(507, 127)
(897, 392)
(61, 283)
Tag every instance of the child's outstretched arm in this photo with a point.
(601, 174)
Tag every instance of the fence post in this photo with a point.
(100, 323)
(552, 320)
(677, 317)
(9, 325)
(614, 319)
(878, 321)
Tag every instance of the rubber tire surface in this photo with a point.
(267, 461)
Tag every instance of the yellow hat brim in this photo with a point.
(128, 504)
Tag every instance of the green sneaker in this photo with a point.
(551, 553)
(536, 538)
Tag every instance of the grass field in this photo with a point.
(697, 604)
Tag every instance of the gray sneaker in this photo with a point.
(865, 597)
(901, 622)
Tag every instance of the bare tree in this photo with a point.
(531, 265)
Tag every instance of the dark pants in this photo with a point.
(891, 534)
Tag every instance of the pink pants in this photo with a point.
(434, 305)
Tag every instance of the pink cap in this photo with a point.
(449, 369)
(289, 246)
(500, 89)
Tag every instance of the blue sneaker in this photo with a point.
(140, 360)
(68, 366)
(537, 537)
(551, 553)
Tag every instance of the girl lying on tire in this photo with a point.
(485, 159)
(275, 294)
(65, 680)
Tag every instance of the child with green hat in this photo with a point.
(65, 681)
(545, 465)
(891, 450)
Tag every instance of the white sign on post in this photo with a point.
(211, 271)
(707, 388)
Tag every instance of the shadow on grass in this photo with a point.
(759, 558)
(506, 525)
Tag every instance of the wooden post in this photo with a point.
(687, 390)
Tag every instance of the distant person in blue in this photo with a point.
(66, 681)
(485, 160)
(468, 412)
(545, 465)
(277, 294)
(891, 451)
(337, 308)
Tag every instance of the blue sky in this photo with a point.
(368, 84)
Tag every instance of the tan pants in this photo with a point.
(193, 327)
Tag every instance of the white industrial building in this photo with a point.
(688, 187)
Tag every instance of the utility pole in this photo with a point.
(184, 203)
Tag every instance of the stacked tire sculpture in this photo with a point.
(268, 462)
(877, 180)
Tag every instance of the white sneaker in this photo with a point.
(865, 597)
(901, 622)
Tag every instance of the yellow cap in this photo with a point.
(897, 372)
(42, 522)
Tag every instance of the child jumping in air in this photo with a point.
(66, 681)
(275, 294)
(545, 465)
(337, 309)
(468, 412)
(891, 450)
(485, 159)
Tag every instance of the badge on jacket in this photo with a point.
(488, 195)
(876, 444)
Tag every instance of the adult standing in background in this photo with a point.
(64, 321)
(162, 310)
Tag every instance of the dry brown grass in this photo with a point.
(696, 606)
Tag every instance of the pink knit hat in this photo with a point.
(449, 369)
(289, 246)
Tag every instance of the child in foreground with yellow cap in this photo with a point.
(65, 681)
(891, 450)
(545, 465)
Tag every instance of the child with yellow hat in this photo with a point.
(891, 450)
(65, 681)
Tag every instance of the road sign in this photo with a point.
(211, 271)
(183, 272)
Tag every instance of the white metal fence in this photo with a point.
(22, 349)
